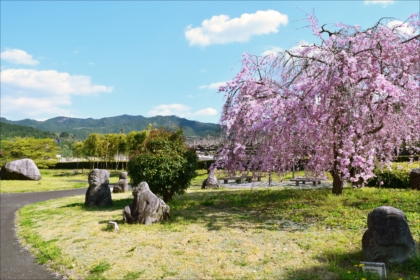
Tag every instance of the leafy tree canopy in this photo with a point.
(42, 151)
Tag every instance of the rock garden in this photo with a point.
(263, 233)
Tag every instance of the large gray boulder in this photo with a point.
(122, 185)
(146, 207)
(211, 181)
(388, 238)
(22, 169)
(414, 180)
(98, 193)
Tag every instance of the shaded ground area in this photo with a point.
(15, 262)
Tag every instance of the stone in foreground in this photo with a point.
(22, 169)
(146, 207)
(211, 181)
(414, 180)
(98, 193)
(388, 238)
(122, 185)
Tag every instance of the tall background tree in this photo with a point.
(340, 105)
(42, 151)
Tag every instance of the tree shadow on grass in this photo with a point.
(68, 174)
(262, 209)
(116, 204)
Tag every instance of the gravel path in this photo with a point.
(15, 262)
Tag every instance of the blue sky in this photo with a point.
(99, 59)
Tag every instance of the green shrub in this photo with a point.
(407, 158)
(165, 163)
(390, 178)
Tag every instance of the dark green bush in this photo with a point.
(165, 163)
(405, 158)
(394, 178)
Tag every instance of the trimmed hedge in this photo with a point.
(204, 164)
(394, 178)
(398, 176)
(166, 174)
(88, 165)
(406, 158)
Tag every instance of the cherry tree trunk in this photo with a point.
(338, 183)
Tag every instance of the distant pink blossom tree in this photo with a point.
(339, 106)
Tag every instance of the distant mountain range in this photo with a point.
(8, 130)
(81, 128)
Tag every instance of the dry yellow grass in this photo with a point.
(220, 234)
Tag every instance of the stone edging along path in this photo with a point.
(16, 263)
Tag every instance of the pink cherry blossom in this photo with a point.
(339, 106)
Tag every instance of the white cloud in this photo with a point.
(272, 51)
(300, 47)
(36, 107)
(170, 109)
(378, 2)
(403, 28)
(214, 86)
(51, 81)
(222, 29)
(17, 56)
(206, 112)
(296, 49)
(180, 110)
(42, 93)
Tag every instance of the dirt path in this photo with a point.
(15, 262)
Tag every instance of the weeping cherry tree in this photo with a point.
(340, 105)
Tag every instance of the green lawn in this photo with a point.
(224, 234)
(52, 180)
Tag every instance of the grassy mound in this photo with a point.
(231, 234)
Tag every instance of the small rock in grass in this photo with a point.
(113, 225)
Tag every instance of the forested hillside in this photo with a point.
(81, 128)
(8, 130)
